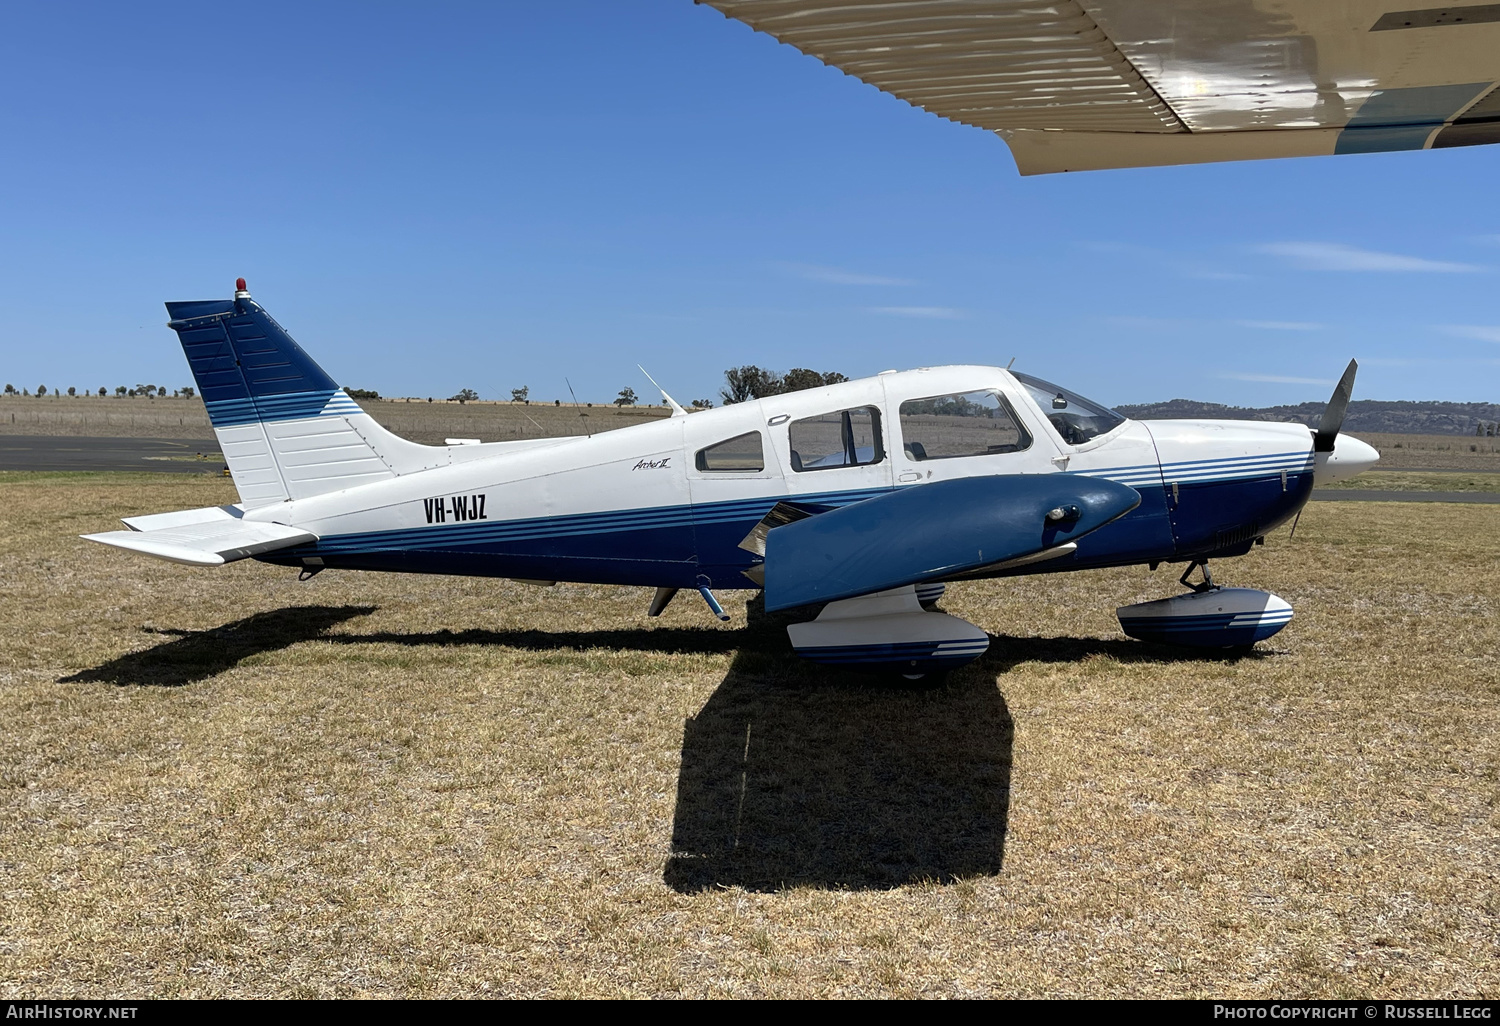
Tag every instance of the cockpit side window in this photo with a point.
(966, 424)
(1077, 419)
(848, 438)
(742, 454)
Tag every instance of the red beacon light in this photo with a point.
(239, 289)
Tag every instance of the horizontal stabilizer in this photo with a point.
(183, 518)
(934, 531)
(206, 537)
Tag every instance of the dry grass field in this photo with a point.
(429, 423)
(491, 421)
(1428, 452)
(1417, 481)
(229, 783)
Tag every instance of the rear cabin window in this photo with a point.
(849, 438)
(742, 454)
(965, 424)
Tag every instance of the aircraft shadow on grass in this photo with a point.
(792, 774)
(798, 775)
(198, 655)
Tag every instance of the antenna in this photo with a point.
(677, 411)
(583, 416)
(1012, 363)
(533, 421)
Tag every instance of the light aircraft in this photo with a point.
(1077, 85)
(864, 497)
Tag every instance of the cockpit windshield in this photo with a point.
(1076, 418)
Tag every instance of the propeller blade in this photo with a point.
(1333, 416)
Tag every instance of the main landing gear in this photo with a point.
(889, 630)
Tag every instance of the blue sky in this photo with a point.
(447, 195)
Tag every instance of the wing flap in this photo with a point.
(211, 542)
(934, 531)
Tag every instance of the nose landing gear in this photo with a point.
(1207, 584)
(1208, 616)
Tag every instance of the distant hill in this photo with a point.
(1407, 418)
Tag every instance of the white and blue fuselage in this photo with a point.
(632, 506)
(850, 493)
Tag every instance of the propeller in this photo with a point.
(1333, 415)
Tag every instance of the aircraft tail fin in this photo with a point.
(287, 430)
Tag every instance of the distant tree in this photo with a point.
(355, 393)
(627, 397)
(798, 378)
(749, 382)
(187, 393)
(702, 404)
(10, 389)
(557, 402)
(518, 395)
(121, 390)
(72, 390)
(103, 391)
(41, 390)
(466, 395)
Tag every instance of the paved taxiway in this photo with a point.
(176, 455)
(61, 452)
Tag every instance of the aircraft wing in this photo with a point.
(202, 537)
(1132, 83)
(934, 531)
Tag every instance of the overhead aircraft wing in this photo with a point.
(202, 537)
(934, 531)
(1132, 83)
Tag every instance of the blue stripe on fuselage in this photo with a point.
(684, 545)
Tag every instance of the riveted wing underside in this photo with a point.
(1127, 83)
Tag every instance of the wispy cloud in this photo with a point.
(1208, 324)
(1209, 273)
(944, 313)
(1277, 379)
(1281, 325)
(840, 276)
(1193, 266)
(1335, 256)
(1155, 323)
(1483, 332)
(1388, 361)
